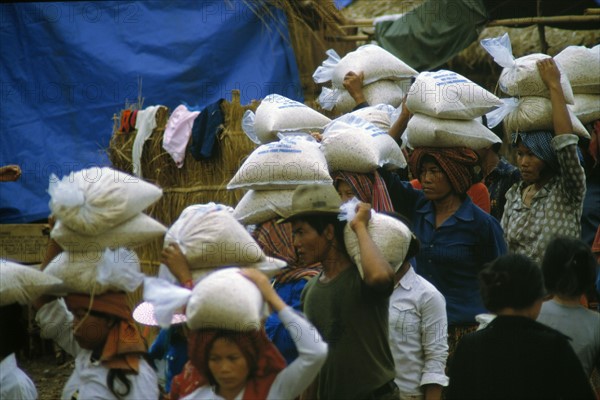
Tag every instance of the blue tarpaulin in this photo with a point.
(67, 68)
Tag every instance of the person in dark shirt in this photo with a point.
(515, 357)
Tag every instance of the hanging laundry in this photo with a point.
(205, 130)
(145, 124)
(178, 132)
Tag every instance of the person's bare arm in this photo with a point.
(175, 260)
(377, 271)
(398, 127)
(560, 114)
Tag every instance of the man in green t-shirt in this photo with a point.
(350, 312)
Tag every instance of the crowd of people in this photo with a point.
(407, 331)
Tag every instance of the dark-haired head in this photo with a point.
(569, 267)
(320, 221)
(511, 281)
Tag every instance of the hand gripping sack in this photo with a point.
(280, 114)
(209, 236)
(286, 164)
(520, 77)
(425, 131)
(258, 206)
(225, 299)
(375, 62)
(23, 284)
(131, 233)
(448, 95)
(353, 144)
(389, 234)
(380, 92)
(582, 66)
(93, 200)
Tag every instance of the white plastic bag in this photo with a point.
(425, 131)
(520, 77)
(93, 200)
(373, 61)
(390, 235)
(166, 298)
(23, 284)
(209, 236)
(258, 206)
(353, 144)
(535, 113)
(225, 299)
(582, 66)
(277, 113)
(587, 107)
(292, 161)
(131, 233)
(446, 94)
(379, 115)
(380, 92)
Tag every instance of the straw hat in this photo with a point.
(314, 199)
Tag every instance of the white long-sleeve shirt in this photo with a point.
(418, 335)
(14, 383)
(89, 377)
(292, 380)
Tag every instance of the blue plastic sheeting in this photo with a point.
(67, 68)
(342, 3)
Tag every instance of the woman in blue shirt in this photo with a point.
(457, 237)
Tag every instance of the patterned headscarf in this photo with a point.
(456, 162)
(539, 142)
(369, 188)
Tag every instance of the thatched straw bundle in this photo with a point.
(197, 182)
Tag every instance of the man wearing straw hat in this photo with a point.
(350, 313)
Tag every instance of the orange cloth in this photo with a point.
(478, 193)
(124, 344)
(256, 347)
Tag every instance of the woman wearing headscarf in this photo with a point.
(457, 237)
(549, 200)
(98, 330)
(108, 349)
(227, 364)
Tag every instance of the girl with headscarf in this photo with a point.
(99, 332)
(457, 237)
(227, 364)
(549, 200)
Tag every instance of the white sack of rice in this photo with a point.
(22, 284)
(534, 114)
(448, 95)
(292, 161)
(79, 271)
(379, 115)
(425, 131)
(380, 92)
(582, 66)
(520, 77)
(277, 113)
(93, 200)
(353, 144)
(587, 107)
(390, 235)
(373, 61)
(132, 233)
(258, 206)
(225, 300)
(209, 236)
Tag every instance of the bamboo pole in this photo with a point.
(562, 19)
